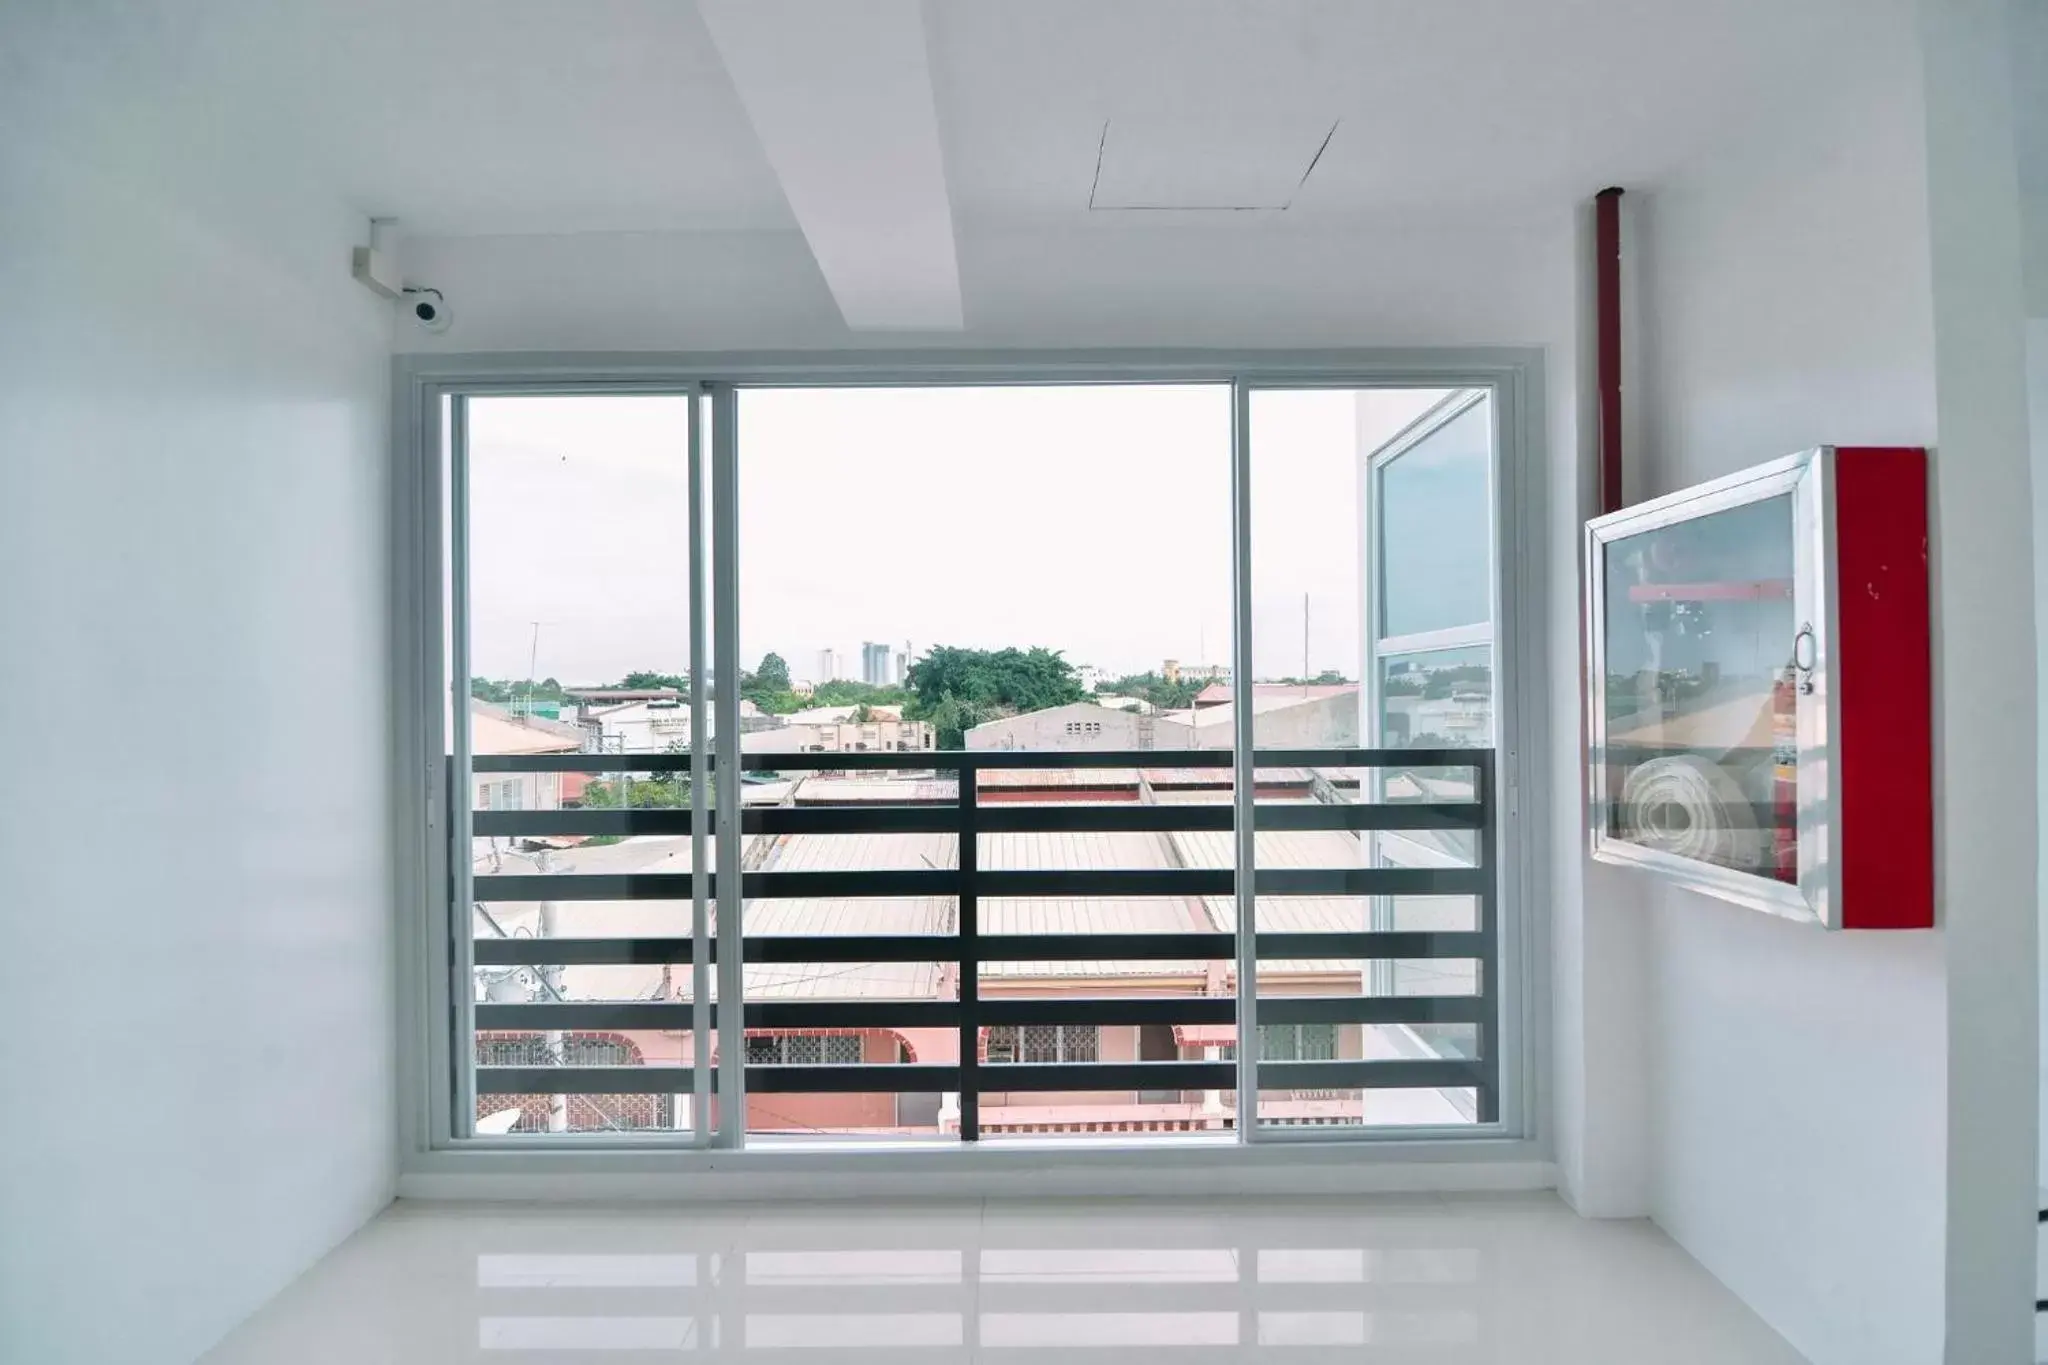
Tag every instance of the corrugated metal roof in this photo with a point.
(1331, 914)
(826, 917)
(844, 791)
(1056, 779)
(495, 730)
(1075, 851)
(1216, 693)
(1286, 914)
(1212, 786)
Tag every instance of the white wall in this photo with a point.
(197, 1020)
(1242, 285)
(1983, 579)
(1816, 1121)
(2037, 420)
(2030, 55)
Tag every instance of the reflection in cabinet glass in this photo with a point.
(1701, 707)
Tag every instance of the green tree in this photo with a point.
(503, 691)
(773, 674)
(640, 793)
(1152, 687)
(847, 692)
(1019, 679)
(641, 680)
(957, 689)
(768, 686)
(952, 717)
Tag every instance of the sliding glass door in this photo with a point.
(577, 620)
(928, 763)
(1371, 515)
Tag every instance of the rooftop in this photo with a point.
(1218, 694)
(605, 694)
(495, 730)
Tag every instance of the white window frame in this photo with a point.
(431, 1148)
(1378, 646)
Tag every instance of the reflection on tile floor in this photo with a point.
(1496, 1280)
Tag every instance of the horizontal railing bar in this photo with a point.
(895, 1078)
(1370, 816)
(542, 824)
(997, 818)
(581, 952)
(986, 760)
(628, 886)
(1372, 1009)
(768, 948)
(905, 881)
(672, 1015)
(999, 1077)
(619, 886)
(896, 1014)
(861, 819)
(858, 819)
(1370, 881)
(824, 948)
(805, 948)
(858, 760)
(878, 1078)
(874, 883)
(1198, 1009)
(1373, 943)
(1149, 881)
(1371, 758)
(598, 764)
(1397, 1073)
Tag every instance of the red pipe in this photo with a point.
(1607, 305)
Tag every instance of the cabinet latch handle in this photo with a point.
(1805, 653)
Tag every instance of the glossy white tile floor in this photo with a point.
(1505, 1280)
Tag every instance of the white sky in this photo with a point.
(1092, 520)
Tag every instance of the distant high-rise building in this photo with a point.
(828, 665)
(874, 664)
(901, 676)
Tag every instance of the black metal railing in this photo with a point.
(967, 884)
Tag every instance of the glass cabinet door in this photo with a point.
(1701, 689)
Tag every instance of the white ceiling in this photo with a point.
(494, 117)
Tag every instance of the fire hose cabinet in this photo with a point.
(1760, 688)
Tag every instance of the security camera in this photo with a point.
(427, 308)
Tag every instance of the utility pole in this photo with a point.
(532, 666)
(551, 980)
